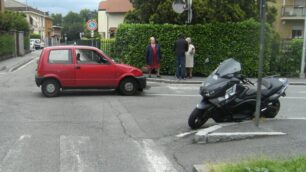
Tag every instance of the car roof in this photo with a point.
(70, 46)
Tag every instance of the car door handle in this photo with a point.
(78, 67)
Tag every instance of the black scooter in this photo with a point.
(228, 96)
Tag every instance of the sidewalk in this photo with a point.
(227, 132)
(198, 80)
(15, 62)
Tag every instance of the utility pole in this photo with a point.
(1, 6)
(261, 54)
(302, 74)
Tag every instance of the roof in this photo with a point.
(116, 6)
(18, 6)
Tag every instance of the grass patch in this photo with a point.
(263, 165)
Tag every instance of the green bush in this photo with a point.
(217, 41)
(26, 40)
(35, 36)
(7, 45)
(287, 60)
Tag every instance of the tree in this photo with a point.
(204, 11)
(73, 25)
(86, 14)
(13, 21)
(57, 19)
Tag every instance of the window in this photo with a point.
(60, 57)
(297, 34)
(89, 57)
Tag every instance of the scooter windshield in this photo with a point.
(229, 66)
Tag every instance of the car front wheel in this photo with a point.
(50, 88)
(128, 87)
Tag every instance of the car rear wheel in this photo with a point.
(128, 87)
(50, 88)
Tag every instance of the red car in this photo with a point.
(69, 67)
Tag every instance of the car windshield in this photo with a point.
(229, 66)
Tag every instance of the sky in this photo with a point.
(62, 6)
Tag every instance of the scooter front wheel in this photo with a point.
(197, 118)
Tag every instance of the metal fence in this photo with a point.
(107, 46)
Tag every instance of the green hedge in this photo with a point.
(7, 45)
(217, 41)
(35, 36)
(287, 60)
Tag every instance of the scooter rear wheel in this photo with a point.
(272, 110)
(197, 118)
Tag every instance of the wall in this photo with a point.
(102, 24)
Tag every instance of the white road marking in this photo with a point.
(186, 133)
(213, 128)
(187, 87)
(293, 118)
(23, 66)
(248, 134)
(173, 95)
(300, 98)
(13, 158)
(70, 154)
(157, 160)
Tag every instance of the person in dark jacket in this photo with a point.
(180, 47)
(153, 56)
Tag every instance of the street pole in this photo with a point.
(302, 74)
(261, 54)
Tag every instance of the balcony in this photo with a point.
(290, 12)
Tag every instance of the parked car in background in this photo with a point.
(38, 44)
(75, 67)
(32, 46)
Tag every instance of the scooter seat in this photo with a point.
(269, 87)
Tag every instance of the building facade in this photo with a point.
(110, 15)
(39, 21)
(290, 19)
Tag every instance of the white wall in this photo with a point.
(102, 23)
(38, 25)
(108, 20)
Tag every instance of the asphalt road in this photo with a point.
(93, 131)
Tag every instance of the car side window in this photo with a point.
(89, 57)
(60, 57)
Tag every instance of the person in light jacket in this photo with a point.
(153, 56)
(189, 58)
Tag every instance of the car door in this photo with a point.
(93, 69)
(60, 64)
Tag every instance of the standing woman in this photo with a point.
(153, 56)
(190, 58)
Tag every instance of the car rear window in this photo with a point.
(60, 57)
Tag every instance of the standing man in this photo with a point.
(180, 47)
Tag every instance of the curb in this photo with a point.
(200, 168)
(208, 135)
(168, 81)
